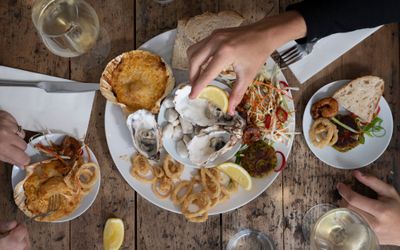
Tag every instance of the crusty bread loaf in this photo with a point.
(361, 96)
(201, 26)
(197, 28)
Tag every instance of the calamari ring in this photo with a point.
(178, 199)
(198, 219)
(322, 132)
(326, 108)
(334, 138)
(172, 168)
(158, 172)
(224, 195)
(202, 200)
(232, 187)
(213, 188)
(162, 187)
(141, 167)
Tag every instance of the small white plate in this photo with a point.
(363, 154)
(18, 174)
(170, 144)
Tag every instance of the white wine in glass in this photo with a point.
(68, 28)
(342, 229)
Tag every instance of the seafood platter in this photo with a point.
(188, 155)
(348, 124)
(64, 173)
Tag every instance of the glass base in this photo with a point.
(250, 239)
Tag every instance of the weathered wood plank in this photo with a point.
(116, 198)
(172, 231)
(265, 212)
(22, 48)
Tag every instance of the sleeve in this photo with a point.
(326, 17)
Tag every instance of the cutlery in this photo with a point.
(53, 86)
(293, 54)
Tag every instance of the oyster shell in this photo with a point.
(210, 144)
(145, 133)
(182, 149)
(187, 127)
(171, 115)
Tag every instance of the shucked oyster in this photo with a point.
(145, 133)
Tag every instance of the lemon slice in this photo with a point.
(237, 173)
(113, 234)
(216, 96)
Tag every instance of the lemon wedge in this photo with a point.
(237, 173)
(216, 96)
(113, 234)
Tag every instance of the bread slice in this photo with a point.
(361, 96)
(193, 30)
(182, 43)
(201, 26)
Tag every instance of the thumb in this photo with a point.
(6, 226)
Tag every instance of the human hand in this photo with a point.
(245, 48)
(11, 141)
(383, 214)
(17, 237)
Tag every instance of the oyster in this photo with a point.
(145, 133)
(182, 149)
(208, 145)
(187, 127)
(171, 115)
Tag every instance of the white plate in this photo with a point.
(363, 154)
(121, 148)
(19, 174)
(170, 144)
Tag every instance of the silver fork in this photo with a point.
(54, 205)
(293, 54)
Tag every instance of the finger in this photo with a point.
(27, 242)
(18, 142)
(19, 233)
(6, 226)
(369, 218)
(238, 91)
(16, 156)
(369, 205)
(198, 56)
(7, 116)
(380, 187)
(210, 72)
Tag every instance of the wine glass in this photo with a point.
(68, 28)
(328, 227)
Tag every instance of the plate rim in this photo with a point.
(308, 142)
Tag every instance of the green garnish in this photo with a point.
(344, 125)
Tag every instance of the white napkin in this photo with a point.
(326, 51)
(36, 110)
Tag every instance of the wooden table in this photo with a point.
(278, 212)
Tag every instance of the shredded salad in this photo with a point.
(265, 106)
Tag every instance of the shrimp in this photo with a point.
(326, 108)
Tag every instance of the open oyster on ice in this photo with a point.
(201, 133)
(145, 133)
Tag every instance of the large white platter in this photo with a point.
(360, 156)
(121, 148)
(19, 174)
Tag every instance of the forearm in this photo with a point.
(325, 17)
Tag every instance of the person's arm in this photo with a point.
(383, 214)
(16, 236)
(327, 17)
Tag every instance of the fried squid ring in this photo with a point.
(178, 198)
(224, 195)
(210, 182)
(172, 168)
(323, 133)
(202, 201)
(232, 187)
(162, 187)
(141, 167)
(326, 108)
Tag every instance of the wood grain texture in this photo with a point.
(158, 228)
(116, 198)
(21, 47)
